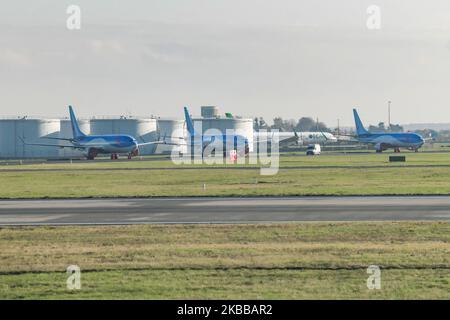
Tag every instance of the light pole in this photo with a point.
(389, 115)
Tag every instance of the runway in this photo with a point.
(222, 210)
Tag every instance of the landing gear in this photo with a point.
(396, 150)
(416, 150)
(92, 154)
(129, 156)
(114, 156)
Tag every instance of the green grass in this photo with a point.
(292, 261)
(360, 174)
(286, 160)
(327, 181)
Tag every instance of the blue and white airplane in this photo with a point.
(93, 145)
(383, 141)
(228, 142)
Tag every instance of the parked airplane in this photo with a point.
(286, 138)
(383, 141)
(228, 142)
(93, 145)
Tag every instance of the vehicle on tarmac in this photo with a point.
(313, 150)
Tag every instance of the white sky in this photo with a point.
(286, 58)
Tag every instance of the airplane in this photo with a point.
(383, 141)
(287, 138)
(93, 145)
(238, 142)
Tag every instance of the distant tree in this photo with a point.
(379, 128)
(308, 124)
(321, 127)
(260, 123)
(382, 128)
(289, 125)
(277, 124)
(283, 125)
(305, 124)
(428, 133)
(395, 128)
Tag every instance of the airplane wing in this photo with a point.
(51, 145)
(152, 142)
(282, 141)
(324, 135)
(289, 140)
(62, 139)
(163, 141)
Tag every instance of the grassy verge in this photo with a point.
(286, 160)
(122, 183)
(368, 174)
(307, 260)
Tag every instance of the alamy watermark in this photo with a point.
(374, 280)
(73, 22)
(374, 19)
(212, 147)
(73, 281)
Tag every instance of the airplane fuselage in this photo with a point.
(107, 144)
(383, 141)
(303, 136)
(225, 142)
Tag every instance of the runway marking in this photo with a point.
(5, 219)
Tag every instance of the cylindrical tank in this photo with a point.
(66, 133)
(240, 126)
(142, 129)
(209, 111)
(171, 131)
(14, 132)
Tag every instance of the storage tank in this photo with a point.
(142, 129)
(171, 131)
(242, 126)
(66, 133)
(31, 131)
(209, 111)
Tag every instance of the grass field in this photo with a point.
(297, 260)
(286, 160)
(310, 176)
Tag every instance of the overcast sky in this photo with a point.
(288, 58)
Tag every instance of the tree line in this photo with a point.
(308, 124)
(303, 124)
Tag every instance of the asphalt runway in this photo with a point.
(222, 210)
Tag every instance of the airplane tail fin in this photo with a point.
(189, 124)
(360, 130)
(75, 128)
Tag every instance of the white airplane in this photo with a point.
(287, 138)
